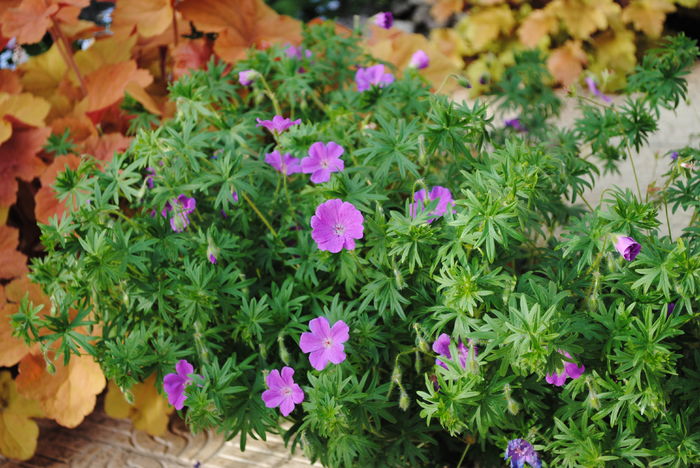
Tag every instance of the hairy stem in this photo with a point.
(60, 39)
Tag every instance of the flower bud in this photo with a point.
(284, 354)
(212, 254)
(404, 400)
(246, 77)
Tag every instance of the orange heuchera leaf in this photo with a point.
(150, 411)
(66, 396)
(584, 18)
(106, 85)
(482, 27)
(18, 160)
(18, 433)
(241, 23)
(103, 147)
(29, 21)
(648, 15)
(12, 349)
(150, 17)
(25, 109)
(190, 55)
(14, 263)
(537, 25)
(443, 9)
(79, 126)
(46, 202)
(9, 81)
(566, 62)
(450, 43)
(397, 47)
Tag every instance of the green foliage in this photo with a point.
(514, 272)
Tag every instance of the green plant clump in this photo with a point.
(474, 242)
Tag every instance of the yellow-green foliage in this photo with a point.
(601, 36)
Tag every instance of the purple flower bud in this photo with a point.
(669, 309)
(246, 77)
(484, 79)
(149, 179)
(419, 60)
(384, 19)
(674, 155)
(593, 88)
(212, 259)
(628, 247)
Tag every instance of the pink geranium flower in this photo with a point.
(282, 391)
(174, 384)
(365, 78)
(325, 343)
(285, 163)
(278, 124)
(419, 60)
(628, 247)
(436, 193)
(336, 225)
(323, 159)
(442, 347)
(246, 77)
(570, 370)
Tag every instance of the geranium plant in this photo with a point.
(404, 280)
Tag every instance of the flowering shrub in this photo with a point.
(422, 284)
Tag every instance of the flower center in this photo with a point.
(324, 164)
(339, 229)
(286, 391)
(327, 343)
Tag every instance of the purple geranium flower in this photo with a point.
(374, 75)
(436, 193)
(336, 225)
(181, 207)
(520, 451)
(285, 163)
(593, 88)
(628, 247)
(442, 347)
(278, 124)
(674, 155)
(570, 370)
(419, 60)
(297, 52)
(325, 343)
(174, 384)
(246, 77)
(515, 124)
(282, 391)
(323, 159)
(149, 179)
(384, 19)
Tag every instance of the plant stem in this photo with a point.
(67, 53)
(271, 95)
(175, 32)
(668, 219)
(464, 454)
(260, 215)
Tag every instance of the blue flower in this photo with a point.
(520, 451)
